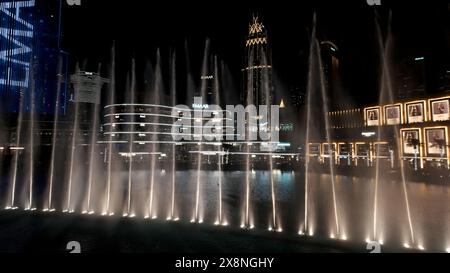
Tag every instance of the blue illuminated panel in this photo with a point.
(16, 42)
(30, 55)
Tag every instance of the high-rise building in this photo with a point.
(444, 79)
(31, 58)
(412, 78)
(331, 66)
(257, 71)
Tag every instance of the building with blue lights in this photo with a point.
(31, 60)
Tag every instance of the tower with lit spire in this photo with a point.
(257, 71)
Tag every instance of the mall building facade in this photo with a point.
(414, 132)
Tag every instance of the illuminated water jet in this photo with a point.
(110, 137)
(31, 143)
(73, 147)
(385, 50)
(131, 138)
(55, 133)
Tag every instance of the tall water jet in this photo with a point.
(92, 152)
(173, 94)
(203, 87)
(217, 90)
(73, 146)
(11, 204)
(327, 131)
(49, 206)
(246, 221)
(31, 144)
(112, 90)
(157, 85)
(316, 82)
(307, 228)
(128, 211)
(270, 127)
(386, 93)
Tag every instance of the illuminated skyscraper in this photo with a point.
(30, 54)
(257, 71)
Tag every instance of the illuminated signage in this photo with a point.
(73, 2)
(288, 127)
(415, 111)
(372, 116)
(16, 34)
(392, 114)
(373, 2)
(200, 106)
(440, 110)
(436, 141)
(368, 134)
(411, 140)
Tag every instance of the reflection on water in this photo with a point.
(429, 204)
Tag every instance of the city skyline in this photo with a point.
(289, 36)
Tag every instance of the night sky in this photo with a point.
(140, 27)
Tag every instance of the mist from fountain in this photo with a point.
(92, 153)
(73, 145)
(217, 92)
(386, 97)
(308, 227)
(198, 217)
(173, 95)
(112, 90)
(270, 127)
(323, 92)
(54, 136)
(132, 93)
(31, 142)
(156, 90)
(317, 97)
(247, 221)
(17, 150)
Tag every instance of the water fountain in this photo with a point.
(247, 222)
(219, 219)
(92, 153)
(54, 137)
(308, 228)
(157, 89)
(112, 89)
(249, 199)
(128, 209)
(173, 92)
(31, 144)
(69, 206)
(386, 96)
(198, 217)
(317, 97)
(17, 150)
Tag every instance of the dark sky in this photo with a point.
(140, 27)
